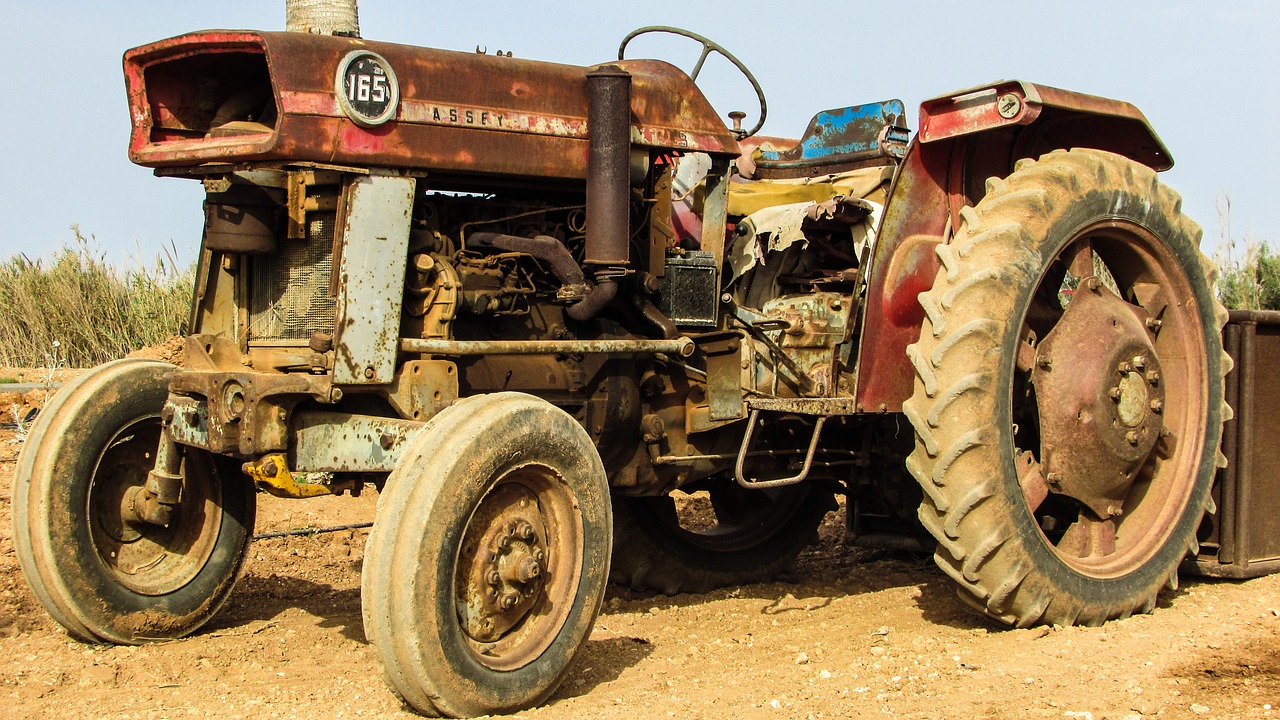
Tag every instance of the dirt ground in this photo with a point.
(853, 634)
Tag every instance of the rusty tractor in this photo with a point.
(535, 305)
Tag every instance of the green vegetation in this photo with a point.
(77, 310)
(1249, 270)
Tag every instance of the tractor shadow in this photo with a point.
(262, 598)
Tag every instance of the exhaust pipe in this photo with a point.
(322, 17)
(608, 185)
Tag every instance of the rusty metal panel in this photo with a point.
(904, 266)
(459, 112)
(339, 442)
(1242, 539)
(375, 249)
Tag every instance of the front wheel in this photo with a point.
(102, 575)
(487, 565)
(1068, 401)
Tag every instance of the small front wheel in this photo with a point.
(101, 574)
(487, 565)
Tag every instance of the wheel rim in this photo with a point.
(151, 559)
(728, 518)
(518, 567)
(1108, 399)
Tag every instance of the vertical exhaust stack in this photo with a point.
(322, 17)
(608, 185)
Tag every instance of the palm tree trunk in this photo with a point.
(323, 17)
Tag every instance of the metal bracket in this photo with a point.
(745, 482)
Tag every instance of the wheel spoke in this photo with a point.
(1031, 476)
(1089, 537)
(1079, 258)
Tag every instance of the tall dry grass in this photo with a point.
(78, 310)
(1249, 270)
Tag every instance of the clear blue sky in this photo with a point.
(1207, 75)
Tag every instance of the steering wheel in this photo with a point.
(707, 47)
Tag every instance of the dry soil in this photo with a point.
(853, 634)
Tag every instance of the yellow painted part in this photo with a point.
(282, 484)
(746, 198)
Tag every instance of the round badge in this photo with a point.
(366, 88)
(1009, 105)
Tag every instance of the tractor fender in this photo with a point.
(965, 138)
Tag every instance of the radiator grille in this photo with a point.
(289, 291)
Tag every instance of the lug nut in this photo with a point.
(1132, 437)
(509, 600)
(504, 541)
(1125, 368)
(492, 577)
(1114, 393)
(1153, 377)
(524, 530)
(1157, 406)
(1139, 362)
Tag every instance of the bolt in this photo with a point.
(1113, 511)
(368, 372)
(1044, 362)
(528, 570)
(1114, 393)
(509, 600)
(524, 530)
(1053, 478)
(1157, 406)
(1093, 283)
(1153, 324)
(492, 577)
(1132, 437)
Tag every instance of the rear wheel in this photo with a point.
(726, 535)
(100, 573)
(1068, 402)
(487, 565)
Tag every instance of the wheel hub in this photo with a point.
(1100, 399)
(506, 568)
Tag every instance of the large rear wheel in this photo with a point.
(1068, 401)
(99, 571)
(487, 565)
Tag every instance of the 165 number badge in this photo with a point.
(366, 88)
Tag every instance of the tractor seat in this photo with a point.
(837, 140)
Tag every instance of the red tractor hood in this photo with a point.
(458, 113)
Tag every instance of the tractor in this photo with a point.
(573, 326)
